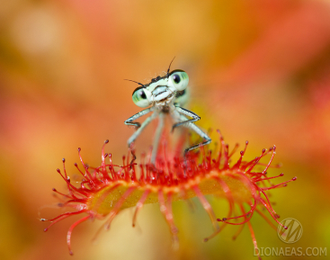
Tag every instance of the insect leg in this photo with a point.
(185, 112)
(138, 126)
(130, 120)
(179, 113)
(158, 134)
(198, 131)
(141, 127)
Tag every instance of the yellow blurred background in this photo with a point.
(259, 71)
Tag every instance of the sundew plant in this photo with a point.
(165, 175)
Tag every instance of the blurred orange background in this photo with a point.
(259, 71)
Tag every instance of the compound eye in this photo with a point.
(179, 79)
(176, 78)
(140, 97)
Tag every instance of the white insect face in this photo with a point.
(162, 89)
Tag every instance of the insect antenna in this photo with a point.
(169, 67)
(135, 82)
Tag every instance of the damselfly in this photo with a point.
(165, 95)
